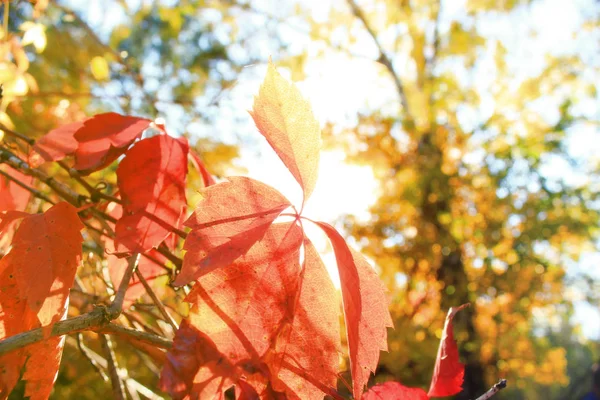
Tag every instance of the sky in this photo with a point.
(338, 87)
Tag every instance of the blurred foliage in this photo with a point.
(475, 206)
(478, 201)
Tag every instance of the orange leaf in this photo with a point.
(103, 138)
(365, 309)
(13, 199)
(151, 181)
(55, 145)
(236, 315)
(45, 254)
(35, 278)
(285, 119)
(232, 216)
(13, 196)
(448, 372)
(306, 354)
(394, 391)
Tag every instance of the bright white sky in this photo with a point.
(338, 87)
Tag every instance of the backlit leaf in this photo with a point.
(232, 216)
(285, 119)
(365, 309)
(45, 254)
(448, 372)
(35, 279)
(104, 137)
(306, 354)
(394, 391)
(151, 181)
(55, 145)
(236, 315)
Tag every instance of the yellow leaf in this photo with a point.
(99, 68)
(286, 120)
(34, 34)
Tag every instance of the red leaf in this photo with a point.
(226, 223)
(14, 318)
(448, 372)
(35, 278)
(151, 181)
(285, 119)
(207, 178)
(236, 315)
(45, 254)
(394, 391)
(13, 199)
(103, 138)
(306, 354)
(55, 145)
(365, 309)
(8, 217)
(13, 196)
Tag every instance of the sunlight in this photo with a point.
(342, 189)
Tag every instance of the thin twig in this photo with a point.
(117, 305)
(156, 300)
(117, 385)
(84, 350)
(383, 57)
(31, 190)
(493, 390)
(145, 337)
(129, 381)
(95, 194)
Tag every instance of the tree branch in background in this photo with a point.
(117, 386)
(383, 58)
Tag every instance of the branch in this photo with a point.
(117, 385)
(117, 305)
(95, 319)
(383, 58)
(495, 389)
(34, 192)
(156, 301)
(141, 336)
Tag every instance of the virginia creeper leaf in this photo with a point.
(8, 217)
(151, 181)
(13, 199)
(13, 196)
(306, 354)
(365, 309)
(14, 318)
(46, 251)
(207, 178)
(394, 391)
(236, 315)
(448, 372)
(35, 278)
(55, 145)
(103, 138)
(285, 119)
(232, 216)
